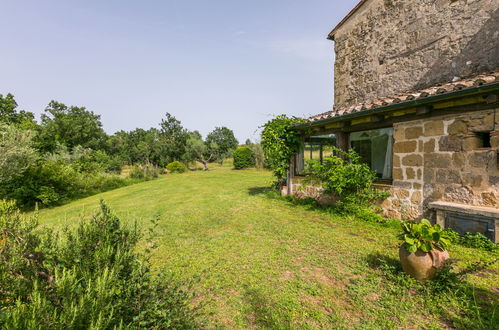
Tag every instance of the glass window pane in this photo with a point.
(375, 148)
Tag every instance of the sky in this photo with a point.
(209, 63)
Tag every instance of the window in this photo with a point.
(484, 139)
(375, 148)
(314, 147)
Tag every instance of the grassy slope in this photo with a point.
(265, 262)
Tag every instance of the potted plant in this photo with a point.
(423, 250)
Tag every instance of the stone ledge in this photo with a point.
(489, 212)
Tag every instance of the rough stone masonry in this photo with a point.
(392, 46)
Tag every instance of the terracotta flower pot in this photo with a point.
(422, 265)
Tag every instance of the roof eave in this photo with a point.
(407, 104)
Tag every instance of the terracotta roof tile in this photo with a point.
(457, 85)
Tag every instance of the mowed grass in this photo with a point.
(264, 262)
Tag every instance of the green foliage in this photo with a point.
(257, 149)
(198, 151)
(279, 142)
(52, 182)
(16, 152)
(476, 240)
(144, 172)
(243, 158)
(88, 278)
(221, 142)
(69, 126)
(173, 137)
(176, 167)
(423, 236)
(10, 115)
(345, 176)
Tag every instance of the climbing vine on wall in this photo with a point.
(279, 142)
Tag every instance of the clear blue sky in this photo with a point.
(211, 63)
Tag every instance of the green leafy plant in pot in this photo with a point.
(424, 249)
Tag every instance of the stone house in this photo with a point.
(416, 94)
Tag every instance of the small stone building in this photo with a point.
(416, 94)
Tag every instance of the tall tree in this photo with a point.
(70, 126)
(10, 115)
(173, 138)
(224, 141)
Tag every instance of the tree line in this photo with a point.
(38, 159)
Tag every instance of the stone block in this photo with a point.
(416, 197)
(458, 160)
(397, 174)
(457, 127)
(419, 174)
(396, 161)
(416, 186)
(494, 140)
(402, 193)
(471, 142)
(398, 134)
(404, 147)
(472, 180)
(413, 132)
(401, 184)
(489, 198)
(480, 158)
(450, 143)
(434, 128)
(436, 160)
(410, 174)
(458, 194)
(429, 146)
(396, 203)
(428, 174)
(412, 160)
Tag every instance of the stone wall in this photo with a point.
(391, 46)
(441, 159)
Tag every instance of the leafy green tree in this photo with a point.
(199, 150)
(173, 138)
(70, 126)
(224, 140)
(10, 115)
(16, 152)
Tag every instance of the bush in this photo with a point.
(176, 167)
(88, 278)
(279, 142)
(144, 172)
(243, 158)
(345, 176)
(53, 182)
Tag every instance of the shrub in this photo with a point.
(53, 182)
(279, 142)
(176, 167)
(345, 176)
(243, 158)
(88, 278)
(144, 172)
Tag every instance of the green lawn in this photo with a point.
(264, 262)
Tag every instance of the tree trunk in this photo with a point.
(205, 164)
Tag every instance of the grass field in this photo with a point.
(265, 262)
